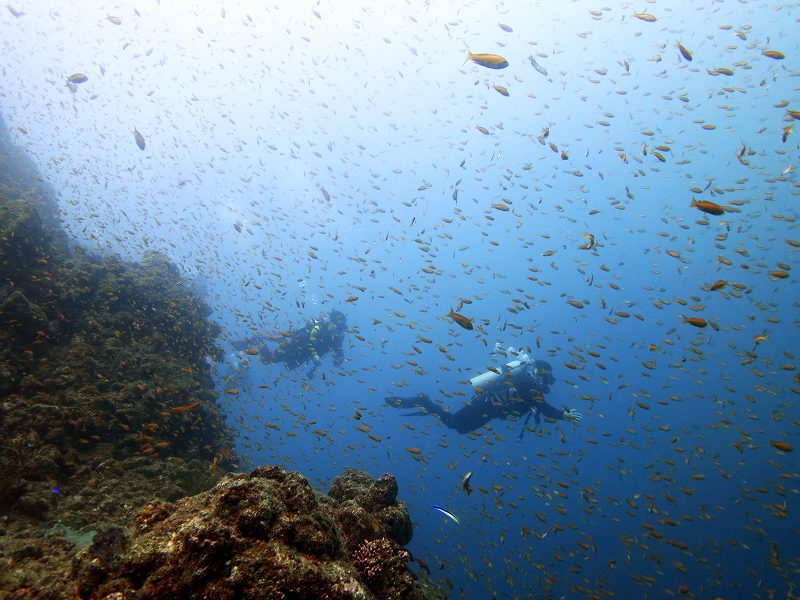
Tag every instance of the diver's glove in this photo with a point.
(573, 416)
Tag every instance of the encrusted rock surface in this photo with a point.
(264, 535)
(100, 360)
(106, 397)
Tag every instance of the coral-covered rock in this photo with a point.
(22, 315)
(395, 522)
(263, 535)
(382, 563)
(106, 395)
(96, 355)
(369, 508)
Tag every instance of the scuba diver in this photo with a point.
(316, 338)
(515, 390)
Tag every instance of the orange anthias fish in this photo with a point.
(490, 61)
(711, 208)
(782, 446)
(684, 52)
(717, 285)
(696, 321)
(774, 54)
(184, 408)
(465, 322)
(759, 339)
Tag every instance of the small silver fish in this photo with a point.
(139, 138)
(537, 66)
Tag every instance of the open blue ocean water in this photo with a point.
(620, 200)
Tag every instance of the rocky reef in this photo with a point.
(106, 399)
(100, 362)
(265, 535)
(113, 445)
(19, 178)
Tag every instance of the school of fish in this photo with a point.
(612, 188)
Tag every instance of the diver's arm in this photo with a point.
(548, 411)
(258, 340)
(246, 343)
(269, 356)
(242, 344)
(551, 412)
(312, 350)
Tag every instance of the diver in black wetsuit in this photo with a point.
(516, 391)
(316, 338)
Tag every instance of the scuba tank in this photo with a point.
(487, 379)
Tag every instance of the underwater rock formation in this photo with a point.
(19, 178)
(100, 360)
(263, 535)
(106, 397)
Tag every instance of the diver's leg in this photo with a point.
(420, 400)
(312, 370)
(428, 407)
(242, 344)
(470, 417)
(270, 356)
(253, 342)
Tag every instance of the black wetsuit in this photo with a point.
(304, 345)
(512, 395)
(315, 339)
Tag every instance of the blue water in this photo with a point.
(248, 111)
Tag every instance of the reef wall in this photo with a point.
(19, 178)
(108, 411)
(106, 400)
